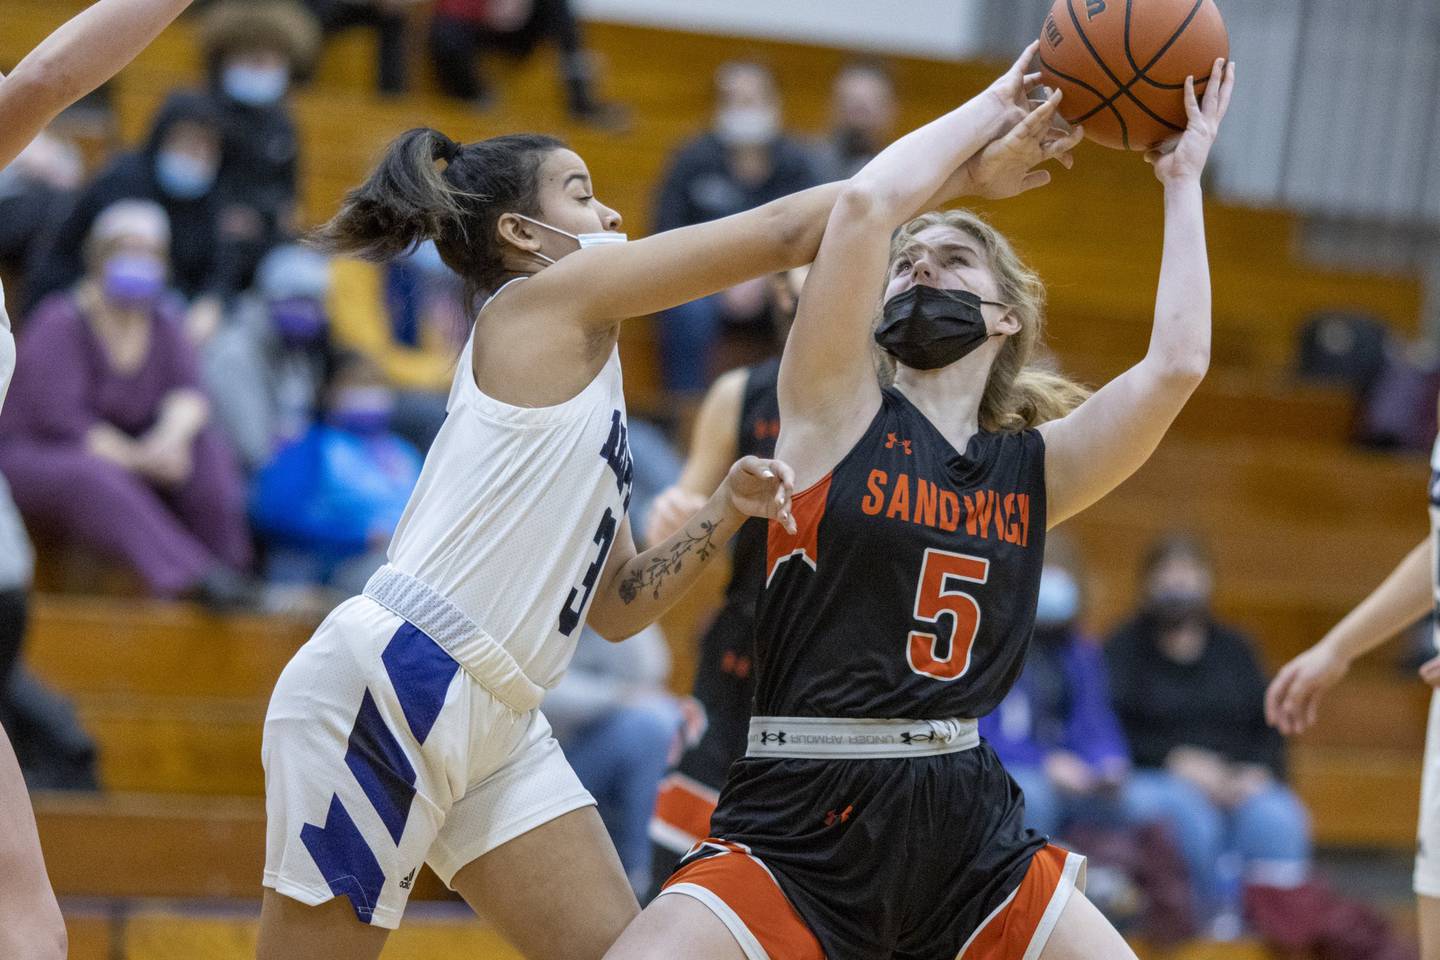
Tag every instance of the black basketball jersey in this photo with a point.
(759, 429)
(909, 590)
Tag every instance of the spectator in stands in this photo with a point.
(176, 168)
(105, 438)
(743, 161)
(54, 751)
(35, 190)
(460, 29)
(410, 316)
(619, 727)
(391, 22)
(252, 49)
(1056, 731)
(1191, 699)
(328, 503)
(266, 367)
(863, 110)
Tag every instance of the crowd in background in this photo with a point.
(234, 418)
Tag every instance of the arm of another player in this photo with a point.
(636, 589)
(714, 444)
(827, 384)
(75, 59)
(1293, 700)
(1108, 437)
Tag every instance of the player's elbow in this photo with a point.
(608, 622)
(1183, 369)
(862, 200)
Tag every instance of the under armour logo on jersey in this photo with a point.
(909, 738)
(768, 737)
(891, 440)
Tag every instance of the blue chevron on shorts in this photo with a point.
(381, 768)
(345, 860)
(420, 671)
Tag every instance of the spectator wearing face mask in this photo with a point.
(106, 439)
(409, 316)
(328, 503)
(1055, 731)
(743, 161)
(863, 111)
(36, 189)
(1190, 695)
(176, 167)
(265, 369)
(252, 50)
(461, 29)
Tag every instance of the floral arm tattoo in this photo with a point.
(651, 575)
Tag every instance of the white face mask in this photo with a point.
(747, 126)
(600, 239)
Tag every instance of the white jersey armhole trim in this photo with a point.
(465, 391)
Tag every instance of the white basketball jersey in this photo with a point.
(1435, 535)
(516, 511)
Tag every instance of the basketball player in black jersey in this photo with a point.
(867, 819)
(739, 416)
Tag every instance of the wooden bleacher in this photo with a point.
(1303, 524)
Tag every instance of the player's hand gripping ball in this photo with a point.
(1122, 64)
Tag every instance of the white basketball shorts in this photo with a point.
(381, 753)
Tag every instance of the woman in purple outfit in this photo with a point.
(106, 438)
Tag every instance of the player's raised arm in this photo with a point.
(826, 393)
(1108, 437)
(1293, 701)
(75, 59)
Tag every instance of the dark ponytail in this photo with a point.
(408, 199)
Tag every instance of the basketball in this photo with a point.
(1122, 64)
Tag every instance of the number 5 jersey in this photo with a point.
(909, 588)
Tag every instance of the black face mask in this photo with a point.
(928, 328)
(1174, 609)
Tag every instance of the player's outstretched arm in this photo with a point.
(827, 384)
(1293, 701)
(75, 59)
(1108, 437)
(636, 589)
(714, 444)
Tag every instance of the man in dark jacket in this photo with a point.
(177, 167)
(1191, 699)
(743, 161)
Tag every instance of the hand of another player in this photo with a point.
(1430, 671)
(1183, 157)
(669, 511)
(1006, 167)
(1293, 700)
(762, 488)
(1010, 92)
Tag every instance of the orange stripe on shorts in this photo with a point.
(747, 888)
(1007, 933)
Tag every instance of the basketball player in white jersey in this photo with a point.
(407, 731)
(75, 59)
(1293, 701)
